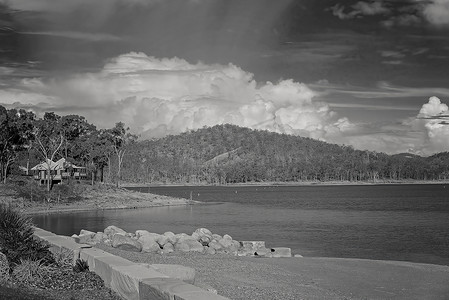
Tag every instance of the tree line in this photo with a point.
(26, 140)
(221, 154)
(230, 154)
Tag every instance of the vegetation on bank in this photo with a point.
(29, 270)
(226, 154)
(222, 154)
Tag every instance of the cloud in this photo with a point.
(170, 95)
(434, 116)
(92, 37)
(360, 9)
(371, 8)
(437, 12)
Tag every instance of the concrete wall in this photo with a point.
(130, 280)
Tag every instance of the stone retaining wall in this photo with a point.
(130, 280)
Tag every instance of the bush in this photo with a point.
(29, 271)
(31, 191)
(80, 266)
(16, 238)
(4, 268)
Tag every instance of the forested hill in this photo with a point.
(231, 154)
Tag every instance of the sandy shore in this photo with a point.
(92, 199)
(242, 278)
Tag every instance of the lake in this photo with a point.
(389, 222)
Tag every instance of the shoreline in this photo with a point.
(286, 183)
(92, 200)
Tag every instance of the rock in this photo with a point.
(203, 231)
(130, 234)
(149, 244)
(227, 236)
(162, 240)
(171, 237)
(107, 242)
(205, 240)
(87, 232)
(110, 231)
(4, 268)
(196, 236)
(99, 237)
(252, 248)
(209, 250)
(279, 252)
(168, 248)
(126, 243)
(226, 242)
(182, 235)
(215, 245)
(298, 255)
(188, 245)
(216, 237)
(140, 233)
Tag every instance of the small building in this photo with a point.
(59, 171)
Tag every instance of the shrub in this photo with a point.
(29, 271)
(16, 238)
(31, 191)
(4, 268)
(80, 266)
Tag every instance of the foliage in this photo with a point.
(15, 131)
(216, 155)
(230, 154)
(4, 268)
(16, 238)
(81, 266)
(29, 271)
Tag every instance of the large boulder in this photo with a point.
(209, 250)
(168, 248)
(226, 241)
(110, 231)
(162, 240)
(188, 244)
(203, 235)
(215, 245)
(146, 233)
(171, 237)
(279, 252)
(4, 268)
(203, 231)
(149, 244)
(252, 248)
(126, 243)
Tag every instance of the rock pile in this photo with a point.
(202, 240)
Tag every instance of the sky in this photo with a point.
(372, 74)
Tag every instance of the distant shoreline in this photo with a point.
(304, 183)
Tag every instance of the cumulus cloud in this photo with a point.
(433, 116)
(167, 96)
(437, 12)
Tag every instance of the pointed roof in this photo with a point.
(45, 165)
(58, 165)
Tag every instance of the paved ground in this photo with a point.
(246, 278)
(368, 279)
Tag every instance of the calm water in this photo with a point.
(393, 222)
